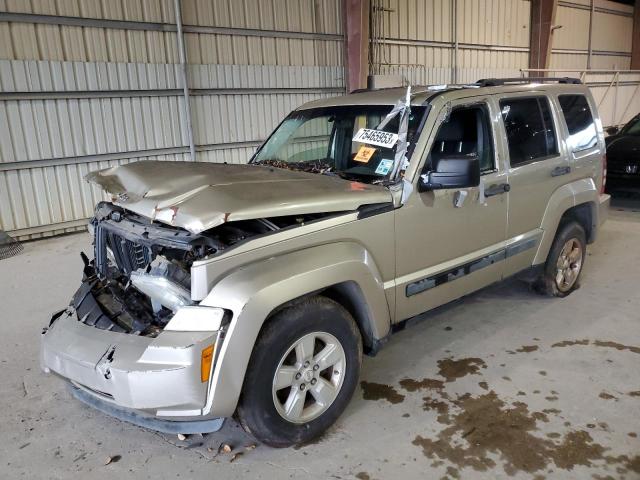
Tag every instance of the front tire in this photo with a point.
(565, 261)
(303, 371)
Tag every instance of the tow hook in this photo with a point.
(103, 365)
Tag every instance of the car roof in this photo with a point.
(423, 94)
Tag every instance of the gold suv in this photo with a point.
(254, 289)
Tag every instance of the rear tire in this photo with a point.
(565, 261)
(303, 371)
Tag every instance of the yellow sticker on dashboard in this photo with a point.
(364, 154)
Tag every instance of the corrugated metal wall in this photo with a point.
(610, 39)
(610, 46)
(417, 39)
(89, 83)
(85, 84)
(420, 38)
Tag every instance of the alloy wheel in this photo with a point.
(309, 377)
(568, 265)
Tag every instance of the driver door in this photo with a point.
(451, 242)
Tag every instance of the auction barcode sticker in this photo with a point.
(376, 137)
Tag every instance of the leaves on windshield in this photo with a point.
(315, 166)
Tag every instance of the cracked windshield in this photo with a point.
(340, 141)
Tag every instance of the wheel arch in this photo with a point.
(344, 272)
(350, 296)
(574, 201)
(584, 215)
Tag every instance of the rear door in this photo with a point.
(538, 166)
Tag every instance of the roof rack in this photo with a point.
(495, 82)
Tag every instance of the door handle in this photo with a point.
(556, 172)
(497, 189)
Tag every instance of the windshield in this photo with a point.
(633, 127)
(320, 140)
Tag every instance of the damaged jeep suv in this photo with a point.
(253, 290)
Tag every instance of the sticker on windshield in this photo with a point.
(376, 137)
(364, 154)
(384, 167)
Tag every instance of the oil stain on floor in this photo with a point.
(527, 349)
(452, 369)
(598, 343)
(380, 391)
(485, 425)
(477, 429)
(426, 383)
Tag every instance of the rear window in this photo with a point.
(529, 126)
(577, 114)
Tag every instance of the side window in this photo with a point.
(465, 133)
(529, 128)
(577, 114)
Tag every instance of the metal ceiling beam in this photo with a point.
(160, 27)
(445, 44)
(173, 92)
(580, 6)
(105, 157)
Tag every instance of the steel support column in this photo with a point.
(356, 14)
(185, 85)
(591, 13)
(543, 14)
(456, 44)
(635, 42)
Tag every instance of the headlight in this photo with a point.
(161, 290)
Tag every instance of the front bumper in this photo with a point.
(146, 378)
(146, 421)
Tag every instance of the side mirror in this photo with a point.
(451, 172)
(612, 130)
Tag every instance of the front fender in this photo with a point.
(564, 198)
(254, 291)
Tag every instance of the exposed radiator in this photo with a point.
(128, 255)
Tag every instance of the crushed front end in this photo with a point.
(132, 342)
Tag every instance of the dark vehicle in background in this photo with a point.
(623, 157)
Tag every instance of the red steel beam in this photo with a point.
(543, 15)
(635, 43)
(357, 43)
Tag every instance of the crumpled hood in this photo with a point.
(200, 196)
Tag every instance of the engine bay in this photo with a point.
(140, 274)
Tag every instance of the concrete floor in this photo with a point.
(492, 386)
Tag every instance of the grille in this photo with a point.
(128, 255)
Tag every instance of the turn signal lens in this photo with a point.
(205, 363)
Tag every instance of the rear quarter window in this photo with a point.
(579, 120)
